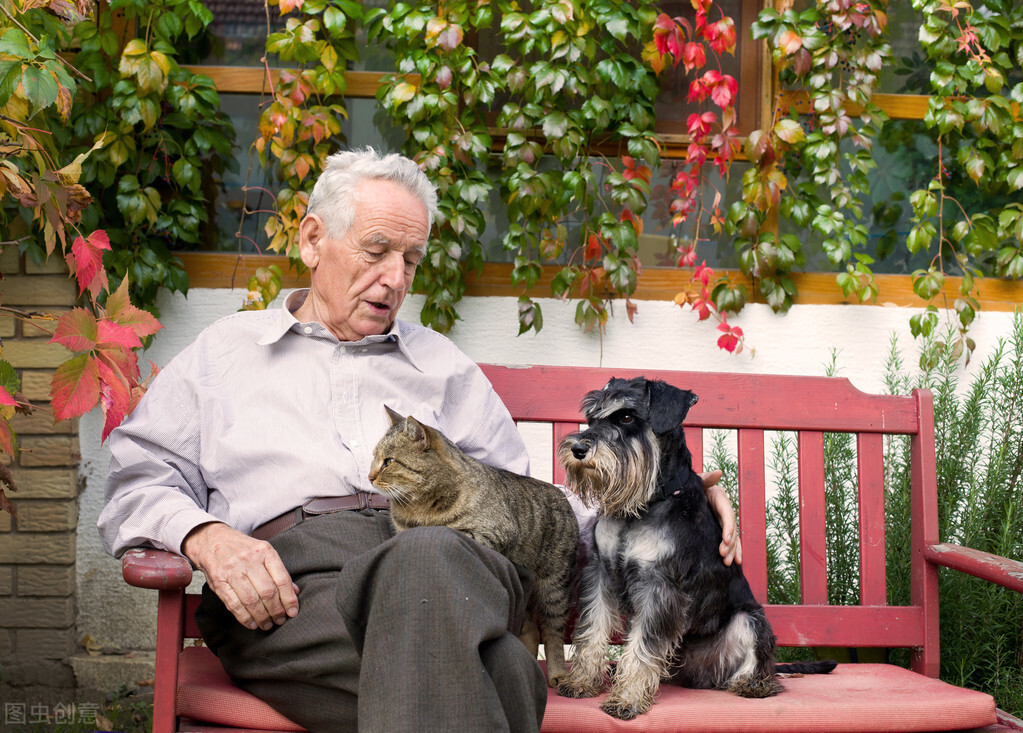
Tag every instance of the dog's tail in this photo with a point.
(822, 667)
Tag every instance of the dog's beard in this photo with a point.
(619, 479)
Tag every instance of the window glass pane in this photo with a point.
(672, 107)
(372, 56)
(237, 35)
(907, 160)
(657, 248)
(249, 187)
(908, 71)
(254, 188)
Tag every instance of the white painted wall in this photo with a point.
(662, 337)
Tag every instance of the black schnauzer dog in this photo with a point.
(654, 559)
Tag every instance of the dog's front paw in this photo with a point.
(623, 709)
(568, 688)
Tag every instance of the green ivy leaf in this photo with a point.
(40, 87)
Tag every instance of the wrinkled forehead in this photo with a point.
(616, 395)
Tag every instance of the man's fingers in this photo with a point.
(730, 548)
(233, 603)
(283, 597)
(710, 478)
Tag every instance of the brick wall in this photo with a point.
(37, 550)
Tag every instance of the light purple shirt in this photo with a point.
(262, 413)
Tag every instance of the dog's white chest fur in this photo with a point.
(619, 538)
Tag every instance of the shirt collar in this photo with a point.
(286, 321)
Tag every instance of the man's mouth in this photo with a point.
(379, 307)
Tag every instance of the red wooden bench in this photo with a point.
(193, 693)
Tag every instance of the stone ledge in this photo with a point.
(109, 672)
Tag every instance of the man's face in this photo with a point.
(359, 281)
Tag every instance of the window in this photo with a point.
(231, 56)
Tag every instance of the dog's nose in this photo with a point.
(580, 449)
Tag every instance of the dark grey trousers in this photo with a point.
(409, 632)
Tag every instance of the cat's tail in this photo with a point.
(822, 667)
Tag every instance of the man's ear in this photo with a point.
(311, 233)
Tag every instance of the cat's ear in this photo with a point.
(395, 417)
(418, 432)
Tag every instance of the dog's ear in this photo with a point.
(669, 406)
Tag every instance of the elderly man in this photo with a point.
(250, 455)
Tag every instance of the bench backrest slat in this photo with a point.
(870, 470)
(812, 518)
(752, 506)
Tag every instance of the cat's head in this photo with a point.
(406, 454)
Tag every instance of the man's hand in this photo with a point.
(730, 547)
(246, 574)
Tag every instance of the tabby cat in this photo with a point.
(430, 482)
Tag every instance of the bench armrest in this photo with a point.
(993, 568)
(145, 567)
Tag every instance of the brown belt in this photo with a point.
(314, 507)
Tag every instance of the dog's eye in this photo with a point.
(626, 418)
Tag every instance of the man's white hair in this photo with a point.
(336, 193)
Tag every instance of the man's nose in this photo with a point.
(393, 271)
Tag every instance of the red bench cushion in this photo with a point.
(206, 693)
(855, 697)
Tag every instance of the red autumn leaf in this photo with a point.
(704, 273)
(721, 35)
(6, 399)
(663, 27)
(728, 342)
(120, 310)
(631, 309)
(9, 445)
(701, 304)
(789, 42)
(77, 330)
(696, 155)
(124, 362)
(632, 170)
(75, 387)
(698, 91)
(731, 336)
(693, 56)
(630, 217)
(114, 399)
(86, 262)
(117, 335)
(593, 247)
(699, 125)
(723, 93)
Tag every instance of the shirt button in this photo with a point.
(308, 329)
(342, 350)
